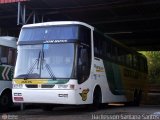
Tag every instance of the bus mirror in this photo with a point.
(3, 60)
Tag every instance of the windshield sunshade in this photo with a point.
(49, 33)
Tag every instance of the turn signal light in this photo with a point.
(72, 86)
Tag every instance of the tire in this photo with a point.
(5, 101)
(97, 99)
(137, 97)
(47, 107)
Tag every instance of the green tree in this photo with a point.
(153, 58)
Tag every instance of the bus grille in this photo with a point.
(47, 86)
(42, 86)
(32, 86)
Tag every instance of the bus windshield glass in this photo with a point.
(49, 33)
(45, 61)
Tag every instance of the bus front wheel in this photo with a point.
(137, 97)
(5, 101)
(97, 98)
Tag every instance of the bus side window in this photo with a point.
(85, 35)
(84, 62)
(136, 63)
(143, 65)
(4, 53)
(104, 49)
(3, 60)
(122, 56)
(109, 50)
(7, 55)
(10, 56)
(114, 52)
(129, 60)
(96, 46)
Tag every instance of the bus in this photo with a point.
(71, 62)
(7, 62)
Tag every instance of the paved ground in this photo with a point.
(114, 112)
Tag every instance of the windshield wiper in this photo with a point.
(32, 67)
(49, 69)
(40, 61)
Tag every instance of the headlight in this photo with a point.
(17, 86)
(66, 86)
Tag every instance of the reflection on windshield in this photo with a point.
(56, 61)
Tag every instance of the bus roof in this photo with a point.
(58, 23)
(8, 41)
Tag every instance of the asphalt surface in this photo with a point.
(111, 112)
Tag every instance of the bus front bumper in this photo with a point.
(46, 96)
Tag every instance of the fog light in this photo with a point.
(18, 98)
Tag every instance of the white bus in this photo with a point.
(7, 62)
(72, 63)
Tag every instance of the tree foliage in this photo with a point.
(153, 58)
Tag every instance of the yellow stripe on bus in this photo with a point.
(30, 81)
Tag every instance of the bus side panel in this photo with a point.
(114, 78)
(4, 85)
(6, 74)
(101, 68)
(133, 80)
(97, 78)
(124, 81)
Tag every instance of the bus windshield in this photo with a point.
(45, 61)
